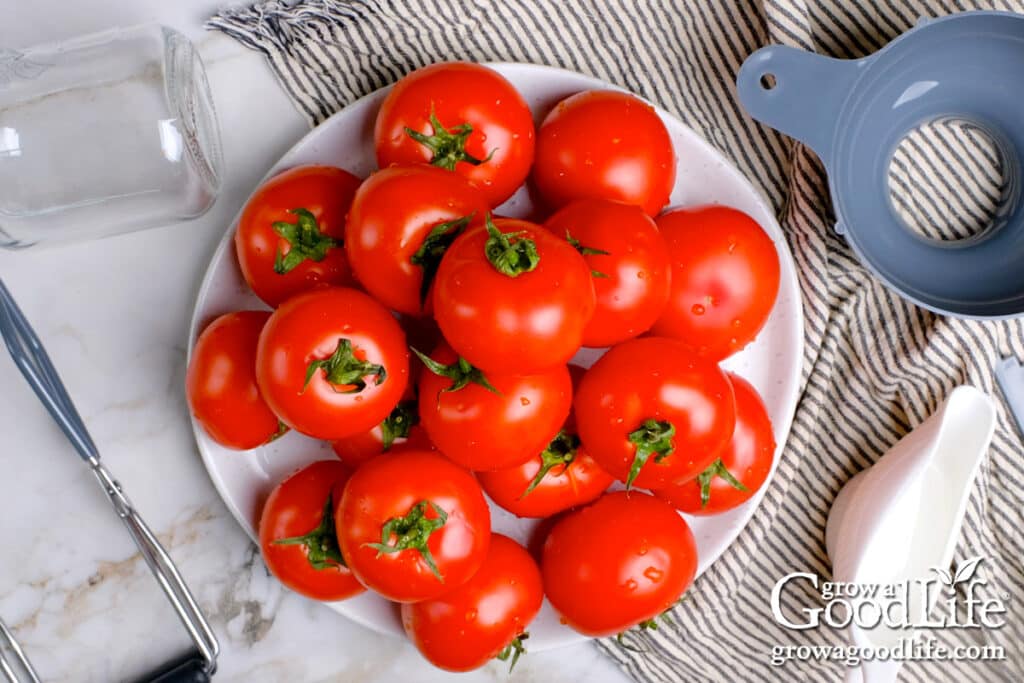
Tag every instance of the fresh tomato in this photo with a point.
(297, 533)
(399, 430)
(332, 363)
(652, 413)
(512, 298)
(725, 278)
(221, 383)
(461, 117)
(490, 421)
(561, 477)
(740, 470)
(605, 144)
(484, 618)
(629, 263)
(617, 563)
(289, 236)
(401, 222)
(413, 525)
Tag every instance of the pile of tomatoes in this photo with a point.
(429, 339)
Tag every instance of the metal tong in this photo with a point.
(31, 358)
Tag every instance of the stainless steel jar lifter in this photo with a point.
(34, 363)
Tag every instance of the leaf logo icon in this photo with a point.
(944, 575)
(967, 569)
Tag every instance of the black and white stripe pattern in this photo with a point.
(875, 365)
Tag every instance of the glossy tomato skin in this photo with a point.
(617, 562)
(324, 191)
(522, 324)
(356, 450)
(748, 458)
(632, 280)
(656, 379)
(483, 430)
(221, 382)
(468, 627)
(725, 279)
(294, 509)
(605, 144)
(389, 487)
(392, 214)
(310, 328)
(460, 93)
(564, 486)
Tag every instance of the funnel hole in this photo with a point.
(947, 180)
(768, 81)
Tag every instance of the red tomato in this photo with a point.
(510, 297)
(399, 430)
(332, 363)
(297, 534)
(462, 117)
(725, 277)
(608, 145)
(740, 470)
(617, 563)
(484, 618)
(401, 222)
(413, 525)
(221, 383)
(651, 413)
(289, 236)
(487, 422)
(629, 263)
(561, 477)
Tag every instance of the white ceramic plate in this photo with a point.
(771, 363)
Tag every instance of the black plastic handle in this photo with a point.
(189, 669)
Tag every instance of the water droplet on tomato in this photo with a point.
(523, 401)
(640, 275)
(698, 309)
(737, 322)
(732, 246)
(654, 574)
(471, 615)
(631, 585)
(643, 548)
(359, 399)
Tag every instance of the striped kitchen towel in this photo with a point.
(875, 365)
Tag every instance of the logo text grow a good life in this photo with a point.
(960, 600)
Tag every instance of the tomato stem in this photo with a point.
(321, 544)
(306, 240)
(461, 373)
(561, 451)
(448, 145)
(587, 251)
(282, 429)
(510, 253)
(428, 256)
(343, 368)
(514, 649)
(397, 425)
(716, 469)
(653, 437)
(412, 532)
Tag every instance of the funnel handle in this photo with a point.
(798, 93)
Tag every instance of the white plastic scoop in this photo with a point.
(895, 521)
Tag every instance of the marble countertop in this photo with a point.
(114, 315)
